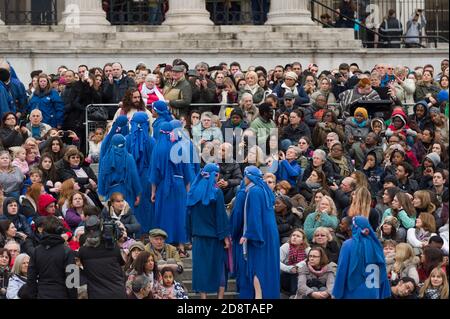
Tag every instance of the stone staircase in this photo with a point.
(186, 279)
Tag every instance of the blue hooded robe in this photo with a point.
(170, 180)
(140, 145)
(261, 251)
(17, 90)
(120, 125)
(361, 272)
(186, 151)
(118, 172)
(207, 225)
(6, 100)
(162, 109)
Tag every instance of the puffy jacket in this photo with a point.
(48, 271)
(51, 106)
(352, 129)
(15, 283)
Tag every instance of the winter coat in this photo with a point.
(299, 92)
(19, 220)
(51, 105)
(67, 172)
(29, 208)
(408, 269)
(179, 95)
(74, 110)
(287, 223)
(72, 218)
(307, 280)
(127, 218)
(114, 92)
(10, 137)
(15, 283)
(295, 133)
(422, 90)
(103, 271)
(48, 269)
(358, 132)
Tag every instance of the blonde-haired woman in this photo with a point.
(423, 203)
(19, 277)
(405, 264)
(323, 238)
(419, 236)
(361, 206)
(324, 216)
(252, 87)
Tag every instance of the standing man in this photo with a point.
(203, 88)
(414, 29)
(178, 92)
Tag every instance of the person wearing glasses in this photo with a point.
(316, 277)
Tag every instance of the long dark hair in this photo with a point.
(127, 104)
(55, 156)
(433, 258)
(5, 116)
(141, 260)
(51, 174)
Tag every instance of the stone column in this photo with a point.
(84, 15)
(289, 12)
(187, 13)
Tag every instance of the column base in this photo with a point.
(85, 21)
(300, 17)
(187, 18)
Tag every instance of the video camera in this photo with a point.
(107, 230)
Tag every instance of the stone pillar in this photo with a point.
(84, 15)
(187, 13)
(289, 12)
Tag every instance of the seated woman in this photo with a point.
(292, 256)
(75, 213)
(315, 182)
(431, 258)
(30, 199)
(144, 264)
(316, 277)
(329, 123)
(133, 251)
(11, 212)
(324, 216)
(419, 236)
(75, 167)
(314, 203)
(50, 177)
(388, 229)
(404, 211)
(323, 238)
(11, 134)
(286, 219)
(11, 177)
(340, 162)
(405, 265)
(288, 168)
(19, 276)
(119, 210)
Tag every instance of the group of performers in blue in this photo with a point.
(185, 201)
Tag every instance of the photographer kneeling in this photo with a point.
(102, 260)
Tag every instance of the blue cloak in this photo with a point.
(207, 225)
(119, 172)
(170, 180)
(120, 125)
(361, 272)
(261, 251)
(140, 145)
(162, 109)
(186, 151)
(288, 171)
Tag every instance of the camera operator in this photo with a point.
(102, 260)
(414, 29)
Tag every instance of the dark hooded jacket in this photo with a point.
(48, 269)
(19, 220)
(420, 123)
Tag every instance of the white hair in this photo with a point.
(320, 153)
(17, 267)
(151, 77)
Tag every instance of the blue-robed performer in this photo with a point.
(118, 173)
(258, 263)
(185, 148)
(208, 227)
(170, 184)
(161, 114)
(361, 272)
(120, 126)
(140, 145)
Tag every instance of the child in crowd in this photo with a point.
(169, 288)
(19, 155)
(95, 143)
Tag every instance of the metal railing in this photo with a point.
(132, 12)
(370, 36)
(34, 12)
(253, 12)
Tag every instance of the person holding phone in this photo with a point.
(414, 29)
